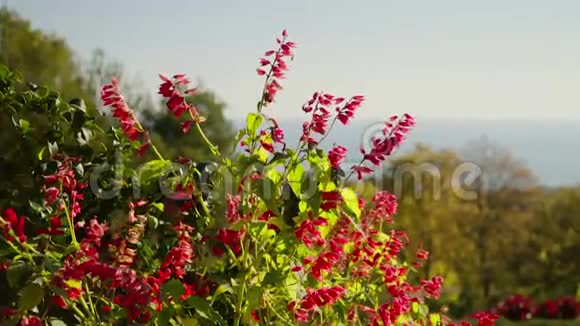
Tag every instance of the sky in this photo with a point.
(517, 59)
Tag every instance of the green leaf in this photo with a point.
(274, 175)
(172, 288)
(30, 297)
(278, 159)
(263, 154)
(222, 289)
(165, 316)
(415, 307)
(41, 152)
(435, 319)
(24, 125)
(351, 201)
(189, 322)
(159, 206)
(18, 272)
(295, 177)
(36, 206)
(265, 189)
(314, 203)
(4, 72)
(57, 322)
(151, 171)
(274, 277)
(278, 222)
(204, 309)
(80, 169)
(253, 122)
(254, 295)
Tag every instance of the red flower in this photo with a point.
(393, 136)
(177, 105)
(58, 301)
(321, 297)
(7, 311)
(54, 229)
(31, 321)
(320, 120)
(186, 125)
(348, 110)
(422, 254)
(275, 68)
(330, 200)
(308, 234)
(111, 96)
(336, 156)
(15, 224)
(432, 287)
(486, 319)
(255, 315)
(325, 262)
(232, 207)
(180, 255)
(232, 239)
(95, 231)
(385, 203)
(51, 195)
(166, 89)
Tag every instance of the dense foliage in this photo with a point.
(270, 236)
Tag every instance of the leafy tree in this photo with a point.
(43, 58)
(430, 211)
(555, 244)
(506, 191)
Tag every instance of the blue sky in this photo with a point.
(446, 59)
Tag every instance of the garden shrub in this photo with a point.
(102, 241)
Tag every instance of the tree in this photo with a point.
(504, 205)
(47, 60)
(44, 59)
(429, 211)
(555, 244)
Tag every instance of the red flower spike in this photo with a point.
(336, 156)
(275, 68)
(111, 96)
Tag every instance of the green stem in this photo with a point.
(212, 147)
(86, 307)
(28, 256)
(71, 227)
(78, 312)
(240, 303)
(91, 304)
(156, 151)
(329, 129)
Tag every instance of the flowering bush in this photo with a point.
(517, 307)
(559, 308)
(269, 236)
